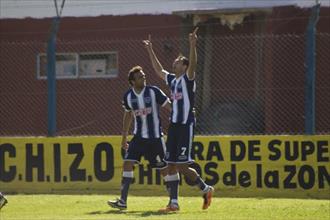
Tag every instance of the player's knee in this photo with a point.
(164, 171)
(182, 168)
(172, 169)
(128, 165)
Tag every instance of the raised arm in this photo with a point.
(192, 54)
(154, 60)
(168, 106)
(127, 119)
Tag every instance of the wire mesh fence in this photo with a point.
(246, 84)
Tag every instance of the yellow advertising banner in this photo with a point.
(237, 166)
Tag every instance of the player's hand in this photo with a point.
(147, 43)
(124, 143)
(193, 37)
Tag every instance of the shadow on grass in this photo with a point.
(131, 213)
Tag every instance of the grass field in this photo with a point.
(76, 207)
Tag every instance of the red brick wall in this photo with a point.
(84, 106)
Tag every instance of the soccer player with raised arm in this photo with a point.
(142, 103)
(182, 86)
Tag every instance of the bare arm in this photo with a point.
(127, 119)
(192, 54)
(167, 105)
(154, 60)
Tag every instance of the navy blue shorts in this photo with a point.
(179, 143)
(152, 150)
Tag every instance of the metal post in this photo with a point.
(310, 71)
(51, 77)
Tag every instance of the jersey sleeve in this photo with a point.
(125, 103)
(161, 98)
(190, 83)
(168, 77)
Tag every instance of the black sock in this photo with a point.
(125, 182)
(174, 189)
(168, 189)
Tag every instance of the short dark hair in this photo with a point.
(132, 72)
(184, 59)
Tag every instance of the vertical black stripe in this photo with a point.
(172, 98)
(191, 95)
(180, 103)
(148, 104)
(135, 106)
(160, 122)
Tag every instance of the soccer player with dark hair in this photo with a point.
(182, 122)
(142, 102)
